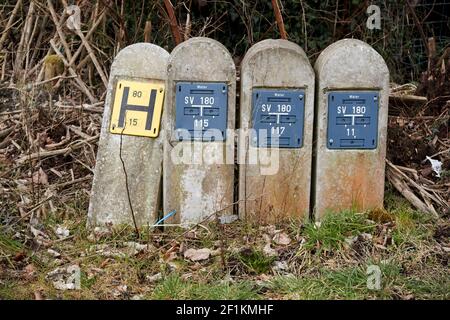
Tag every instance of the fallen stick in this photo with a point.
(29, 212)
(78, 132)
(68, 183)
(84, 107)
(61, 35)
(408, 99)
(6, 132)
(173, 22)
(51, 79)
(45, 154)
(411, 181)
(402, 187)
(24, 40)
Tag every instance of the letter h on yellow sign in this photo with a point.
(137, 108)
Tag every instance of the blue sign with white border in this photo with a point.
(352, 119)
(278, 117)
(201, 111)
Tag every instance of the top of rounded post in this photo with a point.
(274, 44)
(214, 54)
(144, 60)
(348, 56)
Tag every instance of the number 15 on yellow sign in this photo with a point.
(137, 108)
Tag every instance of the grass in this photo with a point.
(255, 261)
(334, 229)
(411, 226)
(430, 286)
(346, 283)
(175, 288)
(8, 247)
(320, 264)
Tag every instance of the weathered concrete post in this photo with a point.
(352, 112)
(277, 111)
(129, 138)
(198, 150)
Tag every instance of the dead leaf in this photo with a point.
(191, 235)
(269, 229)
(62, 232)
(105, 262)
(120, 290)
(54, 253)
(20, 256)
(29, 271)
(280, 266)
(65, 278)
(40, 237)
(40, 177)
(281, 239)
(133, 248)
(197, 254)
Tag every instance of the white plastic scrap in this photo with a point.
(436, 165)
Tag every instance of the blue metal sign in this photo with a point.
(201, 111)
(352, 120)
(278, 117)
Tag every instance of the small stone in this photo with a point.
(197, 254)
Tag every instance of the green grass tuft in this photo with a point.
(255, 261)
(175, 288)
(334, 229)
(346, 283)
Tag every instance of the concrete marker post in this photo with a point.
(275, 186)
(352, 112)
(198, 145)
(130, 125)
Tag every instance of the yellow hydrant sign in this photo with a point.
(137, 108)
